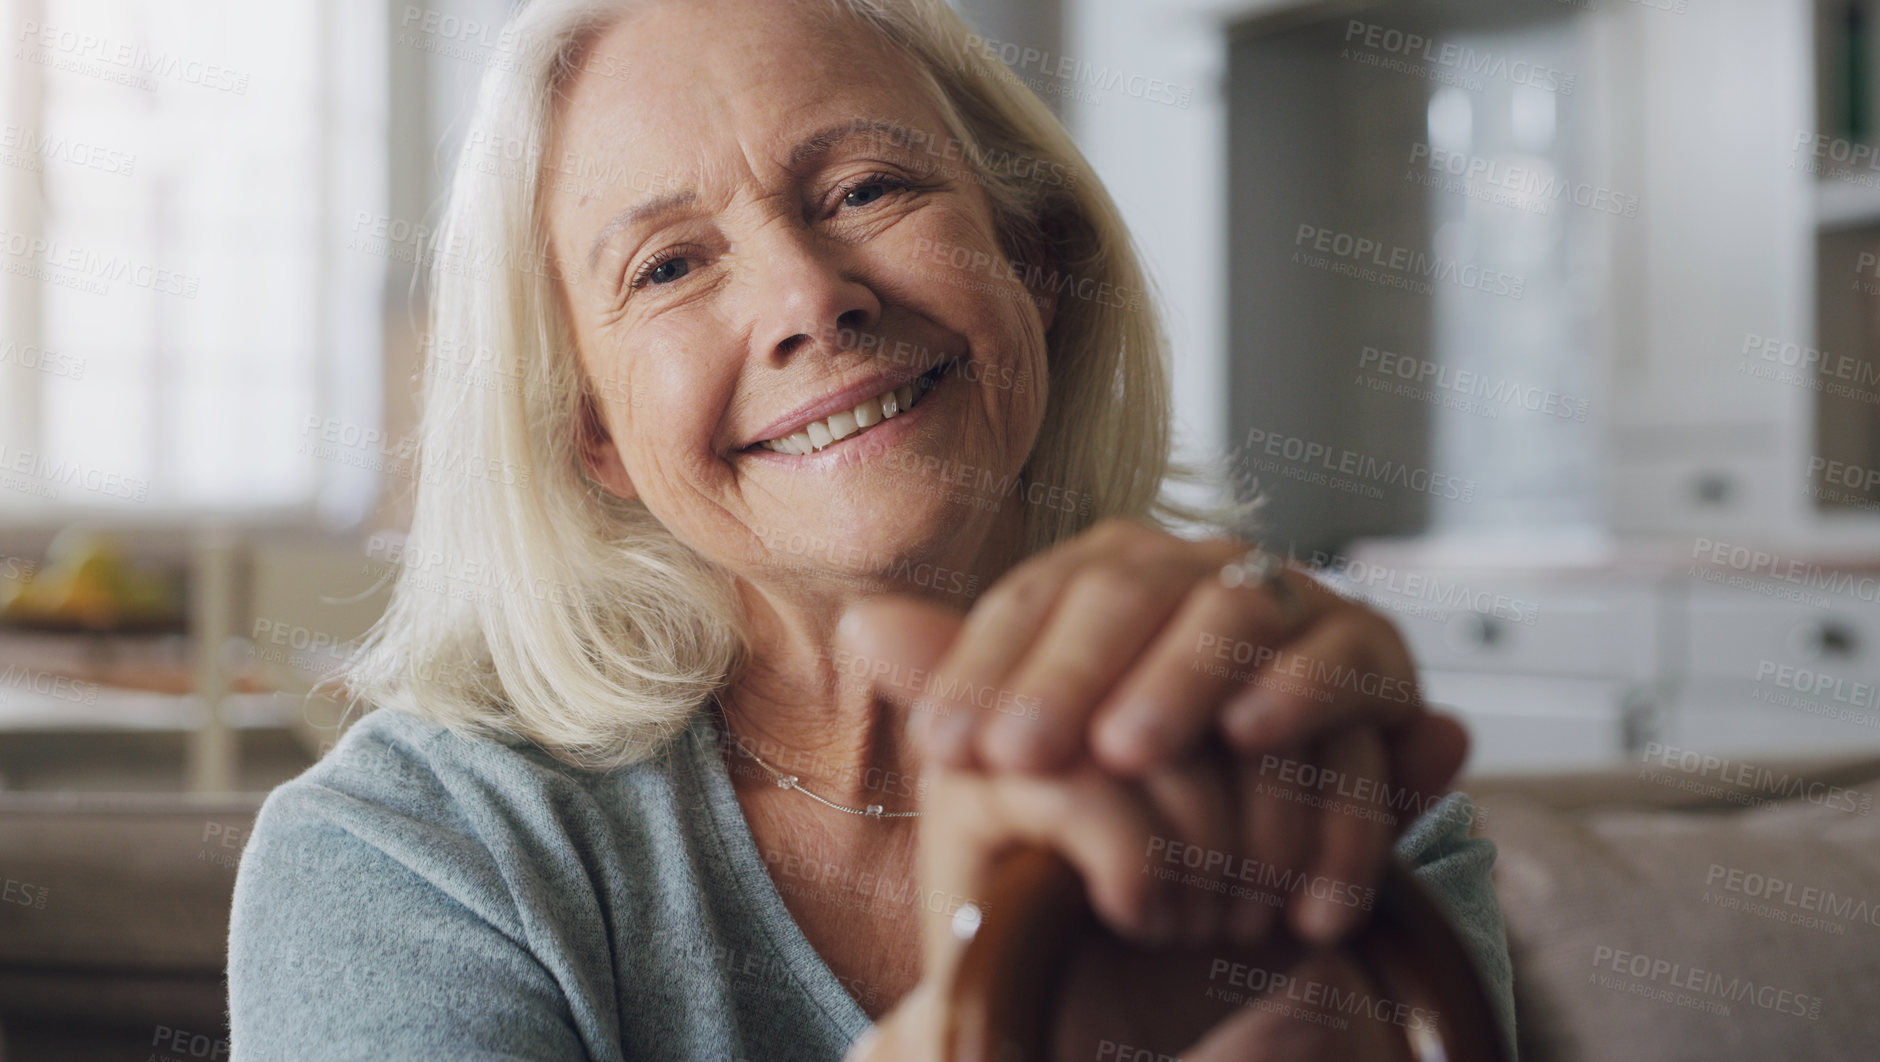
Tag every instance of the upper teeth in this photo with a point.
(866, 414)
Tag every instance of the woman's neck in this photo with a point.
(832, 733)
(806, 707)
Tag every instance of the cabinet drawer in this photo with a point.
(1476, 622)
(1529, 724)
(1764, 724)
(1700, 494)
(1746, 633)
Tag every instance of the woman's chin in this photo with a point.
(896, 540)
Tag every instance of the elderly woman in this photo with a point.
(811, 556)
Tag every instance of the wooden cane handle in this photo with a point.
(1008, 989)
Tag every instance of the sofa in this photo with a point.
(1691, 908)
(1641, 913)
(114, 924)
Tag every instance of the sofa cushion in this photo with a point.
(1680, 934)
(115, 909)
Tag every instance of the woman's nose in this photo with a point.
(807, 290)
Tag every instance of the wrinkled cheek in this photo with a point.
(674, 480)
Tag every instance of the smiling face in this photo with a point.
(789, 295)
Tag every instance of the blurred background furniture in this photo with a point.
(1756, 917)
(114, 924)
(114, 915)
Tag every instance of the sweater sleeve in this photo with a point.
(1455, 867)
(363, 932)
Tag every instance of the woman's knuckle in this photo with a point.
(1215, 597)
(1019, 591)
(1110, 587)
(1132, 539)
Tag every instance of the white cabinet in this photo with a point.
(1779, 667)
(1549, 672)
(1521, 722)
(1563, 670)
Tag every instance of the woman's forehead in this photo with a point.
(678, 81)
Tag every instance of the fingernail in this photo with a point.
(1245, 719)
(1140, 735)
(1324, 921)
(849, 627)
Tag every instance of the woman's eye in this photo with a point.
(662, 270)
(865, 194)
(870, 188)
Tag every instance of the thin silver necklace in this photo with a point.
(789, 781)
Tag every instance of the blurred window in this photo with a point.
(180, 316)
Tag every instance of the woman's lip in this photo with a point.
(847, 398)
(861, 446)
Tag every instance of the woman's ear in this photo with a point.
(600, 456)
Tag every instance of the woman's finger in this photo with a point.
(995, 635)
(1108, 613)
(1425, 756)
(1049, 639)
(892, 642)
(1275, 828)
(1350, 668)
(1354, 837)
(1174, 694)
(1100, 825)
(1195, 798)
(915, 1031)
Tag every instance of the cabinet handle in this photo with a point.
(1470, 632)
(1831, 640)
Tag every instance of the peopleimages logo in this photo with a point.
(1377, 584)
(1837, 149)
(1304, 458)
(95, 269)
(1774, 567)
(135, 64)
(1458, 57)
(20, 145)
(1741, 783)
(1362, 258)
(1811, 683)
(1654, 970)
(1258, 984)
(1470, 384)
(1806, 898)
(1080, 73)
(1526, 182)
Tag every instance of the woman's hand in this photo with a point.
(1126, 647)
(1186, 1001)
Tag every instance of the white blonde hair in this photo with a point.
(530, 603)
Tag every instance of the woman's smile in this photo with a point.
(889, 406)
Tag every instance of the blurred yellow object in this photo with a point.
(86, 582)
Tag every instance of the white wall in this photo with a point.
(1166, 167)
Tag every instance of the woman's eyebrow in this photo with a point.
(808, 150)
(659, 204)
(829, 137)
